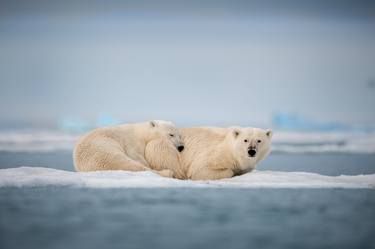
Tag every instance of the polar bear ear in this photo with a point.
(269, 133)
(235, 132)
(153, 123)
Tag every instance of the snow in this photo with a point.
(42, 177)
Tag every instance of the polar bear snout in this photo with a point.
(252, 152)
(180, 148)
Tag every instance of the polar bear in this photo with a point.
(214, 153)
(123, 147)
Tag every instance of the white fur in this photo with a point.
(214, 153)
(123, 147)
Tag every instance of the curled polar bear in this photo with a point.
(214, 153)
(123, 148)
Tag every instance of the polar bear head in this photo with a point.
(250, 145)
(166, 130)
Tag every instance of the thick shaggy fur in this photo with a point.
(123, 148)
(214, 153)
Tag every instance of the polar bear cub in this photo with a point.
(214, 153)
(123, 148)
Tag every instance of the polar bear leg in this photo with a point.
(123, 162)
(165, 173)
(162, 155)
(211, 174)
(105, 155)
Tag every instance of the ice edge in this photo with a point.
(44, 177)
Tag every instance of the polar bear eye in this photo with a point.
(259, 141)
(171, 135)
(246, 140)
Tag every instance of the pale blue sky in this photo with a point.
(227, 63)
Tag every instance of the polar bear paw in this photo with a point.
(165, 173)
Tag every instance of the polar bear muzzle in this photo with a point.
(252, 152)
(180, 148)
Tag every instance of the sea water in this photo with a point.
(75, 216)
(63, 217)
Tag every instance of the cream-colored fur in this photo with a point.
(161, 155)
(215, 153)
(123, 148)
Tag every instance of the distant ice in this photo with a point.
(43, 177)
(36, 141)
(283, 142)
(294, 121)
(323, 142)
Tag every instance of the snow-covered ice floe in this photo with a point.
(42, 177)
(282, 142)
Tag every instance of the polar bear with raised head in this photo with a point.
(214, 153)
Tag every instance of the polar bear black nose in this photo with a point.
(180, 148)
(252, 152)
